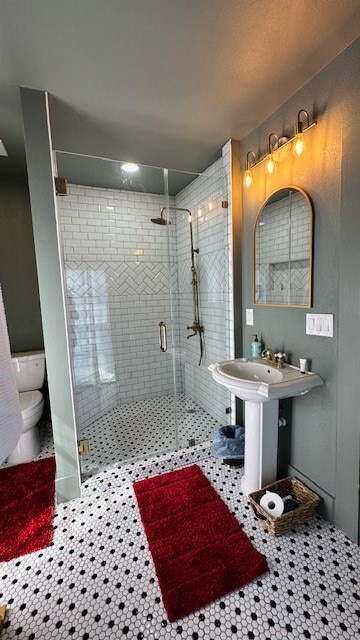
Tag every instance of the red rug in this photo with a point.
(27, 508)
(199, 550)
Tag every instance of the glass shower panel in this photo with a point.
(201, 279)
(116, 273)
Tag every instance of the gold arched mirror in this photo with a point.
(283, 241)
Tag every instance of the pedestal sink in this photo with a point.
(261, 385)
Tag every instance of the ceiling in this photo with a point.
(160, 82)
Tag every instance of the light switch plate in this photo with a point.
(250, 316)
(320, 324)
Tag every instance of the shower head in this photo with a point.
(159, 221)
(164, 221)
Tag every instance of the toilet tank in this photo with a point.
(29, 369)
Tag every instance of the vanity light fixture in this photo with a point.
(248, 177)
(270, 162)
(272, 157)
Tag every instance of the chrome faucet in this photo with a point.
(275, 358)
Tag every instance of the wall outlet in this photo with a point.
(320, 324)
(250, 316)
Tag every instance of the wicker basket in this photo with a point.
(308, 504)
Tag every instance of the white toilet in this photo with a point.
(29, 369)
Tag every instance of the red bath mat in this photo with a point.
(199, 550)
(27, 507)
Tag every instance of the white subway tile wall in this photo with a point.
(118, 284)
(116, 274)
(213, 238)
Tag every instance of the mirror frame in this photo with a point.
(308, 304)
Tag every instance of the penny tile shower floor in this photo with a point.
(144, 428)
(97, 579)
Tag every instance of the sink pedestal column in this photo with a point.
(261, 444)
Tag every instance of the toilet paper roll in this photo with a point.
(272, 503)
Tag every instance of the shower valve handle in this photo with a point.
(196, 328)
(192, 328)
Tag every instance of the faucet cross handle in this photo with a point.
(280, 358)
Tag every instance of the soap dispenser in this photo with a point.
(256, 348)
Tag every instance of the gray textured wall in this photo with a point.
(309, 446)
(18, 275)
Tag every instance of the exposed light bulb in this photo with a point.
(270, 161)
(270, 165)
(299, 146)
(248, 179)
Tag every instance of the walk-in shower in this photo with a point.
(124, 278)
(196, 327)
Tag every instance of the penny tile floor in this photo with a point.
(97, 580)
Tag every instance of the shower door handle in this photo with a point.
(162, 336)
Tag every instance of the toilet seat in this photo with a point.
(30, 402)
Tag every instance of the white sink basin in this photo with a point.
(259, 381)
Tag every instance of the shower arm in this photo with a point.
(196, 328)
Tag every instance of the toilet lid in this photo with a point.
(29, 400)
